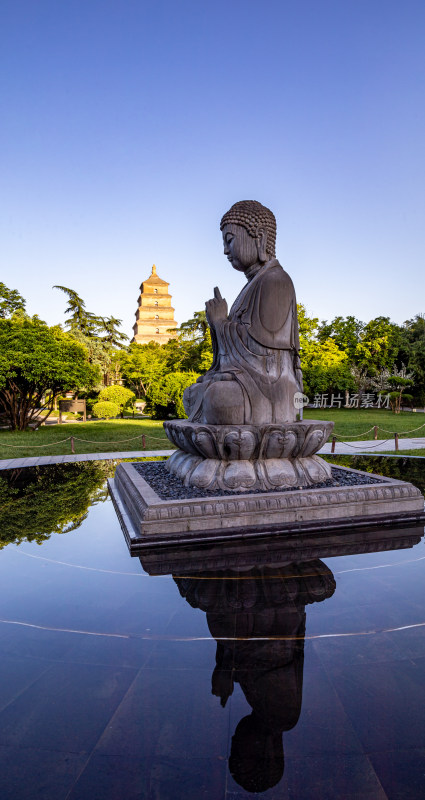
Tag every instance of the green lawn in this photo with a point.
(110, 436)
(104, 437)
(354, 422)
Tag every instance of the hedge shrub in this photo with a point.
(124, 398)
(105, 409)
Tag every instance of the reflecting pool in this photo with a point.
(213, 672)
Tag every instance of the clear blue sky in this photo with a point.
(129, 127)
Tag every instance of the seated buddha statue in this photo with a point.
(256, 367)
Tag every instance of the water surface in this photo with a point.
(202, 673)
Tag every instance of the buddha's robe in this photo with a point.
(257, 346)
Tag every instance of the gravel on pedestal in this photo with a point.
(169, 487)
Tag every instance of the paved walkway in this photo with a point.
(341, 448)
(39, 461)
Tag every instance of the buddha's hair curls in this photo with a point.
(251, 215)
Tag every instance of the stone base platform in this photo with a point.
(148, 521)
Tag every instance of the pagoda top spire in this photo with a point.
(153, 269)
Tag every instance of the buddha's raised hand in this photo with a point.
(216, 308)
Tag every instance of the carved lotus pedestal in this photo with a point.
(248, 457)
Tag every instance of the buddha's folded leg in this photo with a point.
(192, 398)
(223, 404)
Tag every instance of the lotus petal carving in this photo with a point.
(239, 445)
(246, 457)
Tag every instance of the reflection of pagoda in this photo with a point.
(155, 314)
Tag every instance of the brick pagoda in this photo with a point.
(155, 314)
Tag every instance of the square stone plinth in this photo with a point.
(147, 520)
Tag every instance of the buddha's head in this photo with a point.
(249, 234)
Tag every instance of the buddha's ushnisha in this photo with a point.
(256, 368)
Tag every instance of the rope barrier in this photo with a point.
(77, 438)
(358, 435)
(403, 433)
(115, 441)
(371, 447)
(31, 446)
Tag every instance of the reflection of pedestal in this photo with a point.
(247, 457)
(277, 550)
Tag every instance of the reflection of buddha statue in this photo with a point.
(243, 430)
(258, 621)
(256, 369)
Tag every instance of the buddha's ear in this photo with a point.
(262, 244)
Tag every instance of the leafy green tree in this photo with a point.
(324, 364)
(399, 381)
(79, 319)
(36, 364)
(196, 327)
(325, 368)
(345, 332)
(192, 348)
(378, 345)
(119, 395)
(412, 350)
(10, 301)
(98, 355)
(308, 326)
(101, 335)
(165, 398)
(370, 347)
(109, 332)
(142, 365)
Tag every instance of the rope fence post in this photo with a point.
(143, 442)
(375, 436)
(333, 444)
(396, 441)
(72, 445)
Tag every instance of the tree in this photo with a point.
(412, 350)
(80, 319)
(192, 348)
(110, 334)
(10, 301)
(36, 364)
(101, 335)
(325, 368)
(98, 355)
(361, 379)
(378, 345)
(370, 347)
(346, 333)
(324, 364)
(398, 380)
(142, 365)
(165, 399)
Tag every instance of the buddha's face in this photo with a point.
(240, 248)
